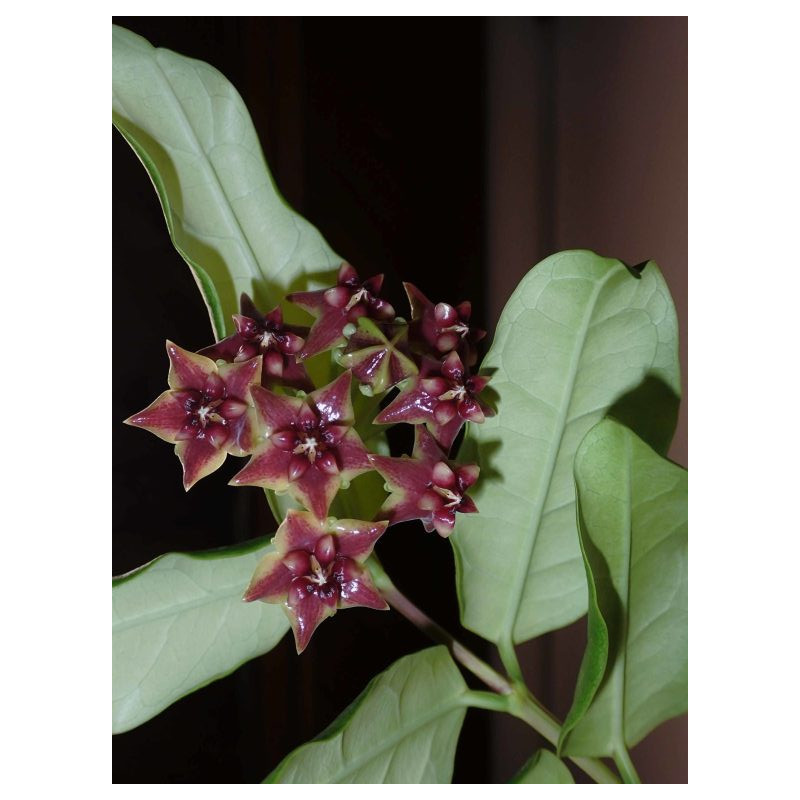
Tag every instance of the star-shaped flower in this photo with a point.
(443, 327)
(207, 411)
(334, 308)
(426, 486)
(309, 446)
(265, 334)
(444, 396)
(317, 568)
(378, 355)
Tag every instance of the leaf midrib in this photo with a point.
(536, 521)
(229, 214)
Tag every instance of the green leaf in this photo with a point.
(403, 728)
(179, 623)
(194, 135)
(581, 335)
(632, 507)
(543, 767)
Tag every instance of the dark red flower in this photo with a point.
(443, 327)
(334, 308)
(317, 568)
(308, 445)
(426, 486)
(265, 334)
(444, 396)
(377, 355)
(207, 412)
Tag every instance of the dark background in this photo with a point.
(454, 153)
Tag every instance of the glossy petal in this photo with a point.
(299, 531)
(353, 456)
(271, 580)
(188, 370)
(413, 405)
(332, 402)
(305, 617)
(361, 591)
(315, 490)
(275, 411)
(199, 458)
(268, 468)
(164, 417)
(239, 378)
(356, 538)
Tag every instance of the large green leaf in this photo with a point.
(581, 334)
(632, 507)
(403, 728)
(544, 767)
(193, 133)
(179, 623)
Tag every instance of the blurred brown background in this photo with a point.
(454, 153)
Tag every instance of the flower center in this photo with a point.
(267, 338)
(453, 498)
(321, 574)
(207, 413)
(456, 393)
(460, 328)
(360, 296)
(307, 446)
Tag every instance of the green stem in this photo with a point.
(625, 766)
(515, 698)
(508, 655)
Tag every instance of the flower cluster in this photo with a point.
(251, 394)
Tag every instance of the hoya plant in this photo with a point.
(541, 463)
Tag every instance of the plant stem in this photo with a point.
(515, 698)
(625, 766)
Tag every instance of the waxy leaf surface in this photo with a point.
(544, 767)
(403, 728)
(179, 623)
(191, 130)
(579, 334)
(632, 507)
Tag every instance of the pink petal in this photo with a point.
(239, 378)
(443, 476)
(467, 505)
(276, 412)
(464, 310)
(248, 307)
(298, 466)
(270, 581)
(405, 475)
(188, 370)
(446, 341)
(299, 531)
(443, 522)
(470, 410)
(246, 327)
(164, 417)
(337, 296)
(445, 314)
(348, 274)
(413, 405)
(446, 434)
(273, 363)
(316, 490)
(199, 458)
(310, 301)
(325, 333)
(416, 300)
(468, 474)
(332, 402)
(444, 412)
(295, 375)
(373, 285)
(452, 367)
(267, 468)
(352, 455)
(356, 538)
(325, 549)
(305, 617)
(361, 591)
(226, 349)
(425, 447)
